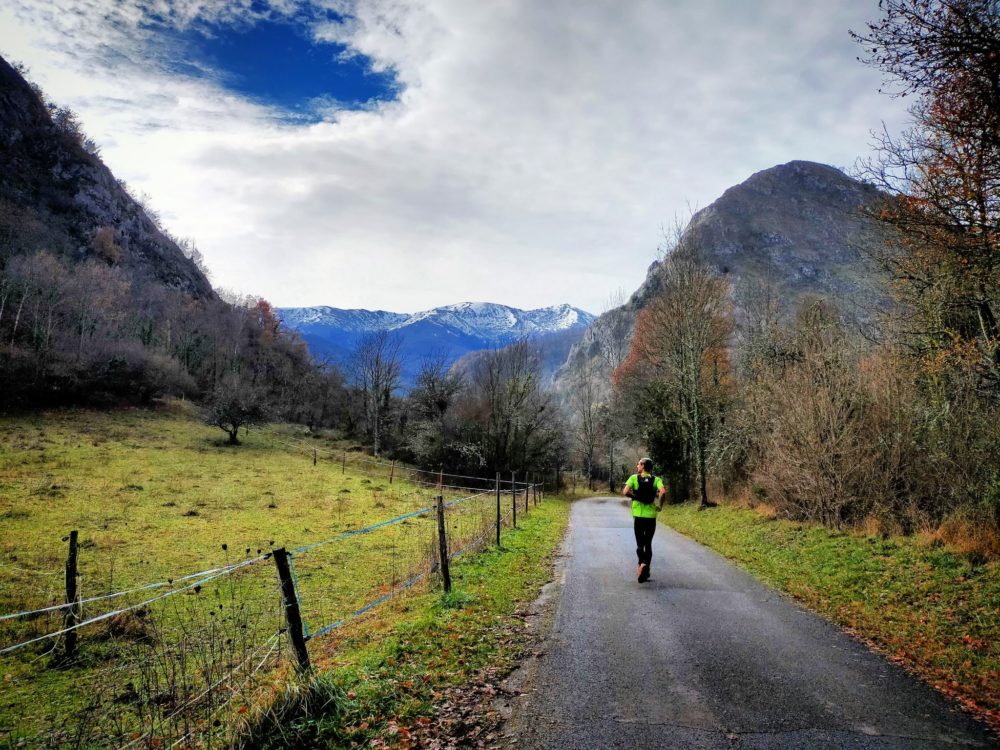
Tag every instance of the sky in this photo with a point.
(406, 154)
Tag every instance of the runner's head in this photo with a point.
(645, 464)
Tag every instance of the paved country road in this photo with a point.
(705, 656)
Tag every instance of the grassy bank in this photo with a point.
(934, 612)
(428, 666)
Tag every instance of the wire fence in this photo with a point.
(188, 661)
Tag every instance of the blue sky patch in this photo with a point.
(277, 63)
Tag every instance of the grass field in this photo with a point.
(156, 496)
(935, 612)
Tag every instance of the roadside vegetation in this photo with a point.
(430, 670)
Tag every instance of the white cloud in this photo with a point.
(534, 153)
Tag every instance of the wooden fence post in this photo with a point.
(314, 456)
(292, 615)
(343, 462)
(72, 616)
(513, 497)
(499, 520)
(443, 545)
(525, 493)
(392, 471)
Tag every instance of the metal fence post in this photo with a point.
(292, 615)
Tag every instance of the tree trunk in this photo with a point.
(705, 502)
(17, 319)
(611, 466)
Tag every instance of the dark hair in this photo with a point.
(647, 464)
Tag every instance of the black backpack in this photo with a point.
(647, 489)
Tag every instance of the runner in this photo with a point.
(645, 490)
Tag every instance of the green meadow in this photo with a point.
(156, 496)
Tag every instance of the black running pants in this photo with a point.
(644, 530)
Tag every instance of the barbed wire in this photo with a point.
(114, 595)
(225, 569)
(29, 571)
(132, 607)
(205, 577)
(371, 605)
(373, 527)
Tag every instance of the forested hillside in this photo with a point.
(97, 303)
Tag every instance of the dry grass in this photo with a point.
(965, 537)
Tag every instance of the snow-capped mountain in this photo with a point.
(486, 320)
(450, 331)
(355, 321)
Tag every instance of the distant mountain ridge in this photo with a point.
(450, 331)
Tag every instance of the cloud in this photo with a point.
(532, 156)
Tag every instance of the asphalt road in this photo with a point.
(704, 656)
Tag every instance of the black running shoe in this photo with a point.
(643, 573)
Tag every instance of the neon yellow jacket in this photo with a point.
(644, 510)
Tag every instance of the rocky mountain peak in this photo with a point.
(799, 225)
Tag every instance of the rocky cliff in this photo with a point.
(58, 196)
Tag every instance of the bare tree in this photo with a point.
(376, 366)
(585, 404)
(943, 173)
(97, 294)
(236, 403)
(506, 385)
(434, 435)
(681, 337)
(613, 331)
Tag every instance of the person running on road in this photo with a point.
(645, 490)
